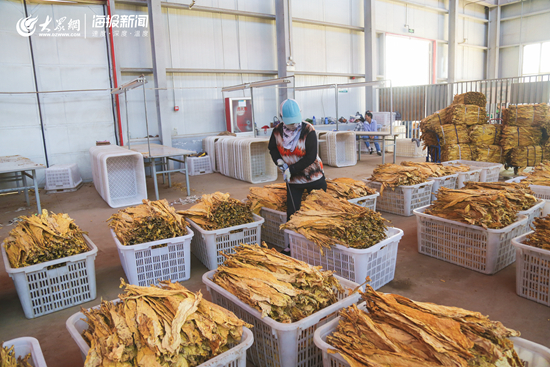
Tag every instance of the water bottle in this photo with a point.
(326, 121)
(314, 122)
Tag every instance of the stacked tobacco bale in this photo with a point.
(397, 331)
(158, 326)
(9, 359)
(285, 289)
(40, 238)
(525, 133)
(486, 141)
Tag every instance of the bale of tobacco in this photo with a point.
(476, 98)
(453, 134)
(529, 115)
(519, 194)
(436, 169)
(326, 221)
(397, 331)
(528, 156)
(518, 136)
(486, 208)
(540, 175)
(489, 153)
(464, 114)
(40, 238)
(9, 359)
(452, 152)
(280, 287)
(487, 134)
(147, 222)
(217, 211)
(393, 175)
(348, 188)
(164, 325)
(541, 236)
(434, 121)
(429, 138)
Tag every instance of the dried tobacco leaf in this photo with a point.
(348, 188)
(397, 331)
(452, 152)
(475, 98)
(283, 288)
(393, 175)
(40, 238)
(528, 156)
(540, 175)
(218, 210)
(164, 326)
(437, 169)
(489, 153)
(326, 221)
(487, 134)
(453, 134)
(519, 194)
(434, 121)
(464, 114)
(531, 115)
(541, 236)
(150, 221)
(518, 136)
(8, 358)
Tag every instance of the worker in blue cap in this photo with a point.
(293, 148)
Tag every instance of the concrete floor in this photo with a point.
(418, 277)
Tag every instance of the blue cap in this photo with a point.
(290, 112)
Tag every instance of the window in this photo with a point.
(536, 58)
(408, 60)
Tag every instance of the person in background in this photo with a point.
(293, 148)
(371, 125)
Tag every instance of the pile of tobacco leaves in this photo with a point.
(280, 287)
(217, 211)
(166, 326)
(150, 221)
(348, 188)
(393, 175)
(397, 331)
(540, 175)
(326, 221)
(8, 358)
(520, 195)
(541, 237)
(437, 169)
(40, 238)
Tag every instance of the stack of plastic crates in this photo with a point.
(278, 344)
(402, 200)
(443, 181)
(474, 174)
(199, 165)
(408, 148)
(209, 146)
(541, 192)
(340, 149)
(150, 262)
(484, 250)
(56, 284)
(62, 178)
(377, 262)
(234, 357)
(530, 353)
(489, 171)
(25, 345)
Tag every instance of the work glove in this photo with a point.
(286, 175)
(282, 165)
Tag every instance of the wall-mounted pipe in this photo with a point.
(115, 79)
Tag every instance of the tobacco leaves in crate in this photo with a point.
(217, 211)
(279, 286)
(541, 236)
(437, 169)
(397, 331)
(519, 194)
(392, 175)
(165, 325)
(147, 222)
(9, 359)
(40, 238)
(540, 175)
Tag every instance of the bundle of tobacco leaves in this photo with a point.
(487, 134)
(270, 196)
(283, 288)
(393, 175)
(540, 175)
(519, 194)
(430, 138)
(489, 153)
(528, 156)
(165, 325)
(434, 121)
(8, 358)
(45, 237)
(518, 136)
(217, 211)
(397, 331)
(453, 134)
(530, 115)
(326, 221)
(476, 98)
(436, 169)
(452, 152)
(485, 208)
(463, 114)
(541, 236)
(348, 188)
(147, 222)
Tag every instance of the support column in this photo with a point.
(453, 44)
(285, 62)
(493, 43)
(371, 56)
(158, 47)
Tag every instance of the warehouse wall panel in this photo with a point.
(472, 63)
(349, 12)
(133, 51)
(508, 62)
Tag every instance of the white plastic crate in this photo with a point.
(484, 250)
(278, 344)
(199, 165)
(532, 354)
(341, 149)
(444, 181)
(473, 174)
(55, 285)
(408, 148)
(119, 175)
(403, 199)
(234, 357)
(490, 172)
(25, 345)
(541, 192)
(323, 151)
(207, 246)
(532, 271)
(271, 233)
(62, 177)
(534, 212)
(148, 263)
(377, 262)
(368, 201)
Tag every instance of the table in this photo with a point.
(381, 137)
(154, 152)
(19, 166)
